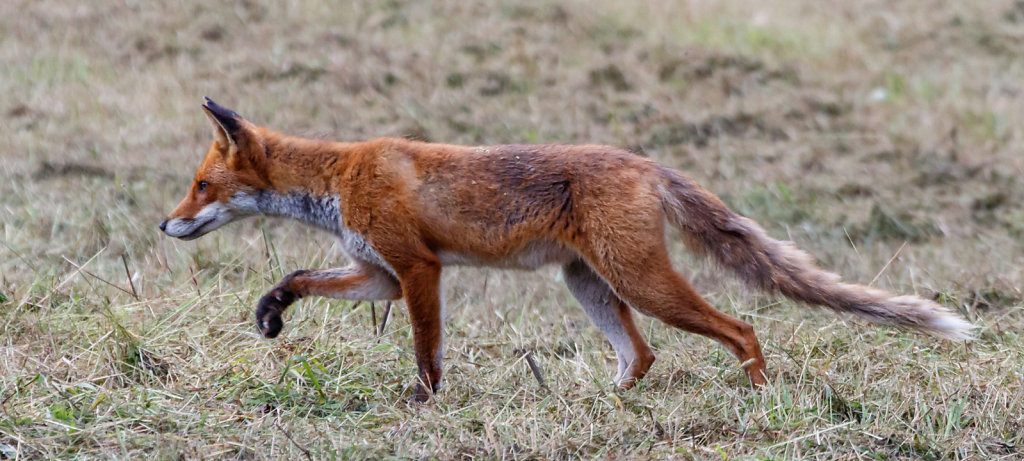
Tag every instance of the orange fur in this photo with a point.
(404, 209)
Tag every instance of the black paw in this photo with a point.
(269, 309)
(421, 394)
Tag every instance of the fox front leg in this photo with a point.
(357, 282)
(421, 281)
(274, 303)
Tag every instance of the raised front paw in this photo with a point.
(269, 309)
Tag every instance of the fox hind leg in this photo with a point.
(661, 292)
(613, 318)
(642, 275)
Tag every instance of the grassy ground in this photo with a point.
(883, 137)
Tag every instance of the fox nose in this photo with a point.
(163, 225)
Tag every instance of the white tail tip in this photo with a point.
(948, 325)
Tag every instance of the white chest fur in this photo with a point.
(323, 212)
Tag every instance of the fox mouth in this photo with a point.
(199, 231)
(209, 218)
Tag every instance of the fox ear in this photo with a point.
(227, 125)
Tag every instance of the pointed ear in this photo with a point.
(227, 125)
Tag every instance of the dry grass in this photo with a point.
(854, 129)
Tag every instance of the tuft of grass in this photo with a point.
(882, 224)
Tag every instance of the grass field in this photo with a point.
(883, 137)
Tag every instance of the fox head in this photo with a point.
(228, 181)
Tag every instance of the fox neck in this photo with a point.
(301, 173)
(320, 211)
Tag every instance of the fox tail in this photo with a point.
(740, 244)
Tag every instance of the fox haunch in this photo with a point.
(403, 210)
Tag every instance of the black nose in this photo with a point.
(163, 225)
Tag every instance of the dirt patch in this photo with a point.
(153, 49)
(306, 73)
(213, 33)
(885, 224)
(699, 134)
(609, 75)
(48, 170)
(706, 66)
(19, 110)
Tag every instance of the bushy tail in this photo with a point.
(740, 244)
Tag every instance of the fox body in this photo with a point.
(404, 209)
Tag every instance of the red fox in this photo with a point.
(405, 209)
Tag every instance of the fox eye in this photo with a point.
(203, 185)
